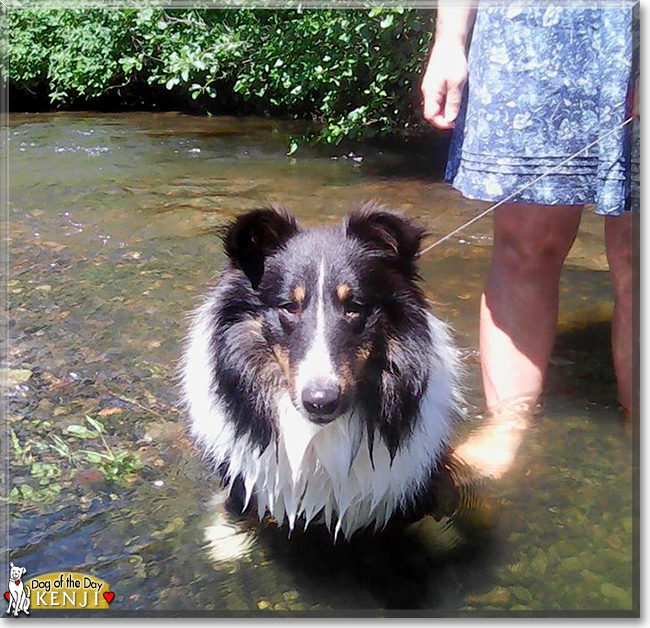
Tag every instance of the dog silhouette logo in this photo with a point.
(18, 594)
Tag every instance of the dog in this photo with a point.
(317, 382)
(19, 594)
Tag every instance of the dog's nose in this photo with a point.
(322, 399)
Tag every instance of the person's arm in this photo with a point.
(446, 72)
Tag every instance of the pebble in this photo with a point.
(110, 411)
(499, 596)
(289, 596)
(521, 594)
(571, 564)
(565, 548)
(89, 476)
(539, 562)
(617, 594)
(590, 577)
(12, 377)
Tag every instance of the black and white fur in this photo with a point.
(315, 376)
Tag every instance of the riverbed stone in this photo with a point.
(619, 595)
(521, 593)
(498, 596)
(539, 562)
(291, 595)
(571, 564)
(13, 377)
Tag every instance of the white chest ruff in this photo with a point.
(309, 469)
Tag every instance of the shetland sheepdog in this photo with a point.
(319, 385)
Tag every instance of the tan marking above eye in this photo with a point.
(299, 294)
(343, 291)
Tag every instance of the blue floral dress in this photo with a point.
(545, 81)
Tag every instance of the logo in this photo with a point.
(18, 594)
(63, 590)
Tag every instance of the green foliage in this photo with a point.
(59, 459)
(113, 464)
(355, 72)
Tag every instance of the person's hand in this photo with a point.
(443, 83)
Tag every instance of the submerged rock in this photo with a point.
(539, 562)
(521, 593)
(617, 594)
(499, 596)
(13, 377)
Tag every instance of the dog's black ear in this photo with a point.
(256, 235)
(395, 235)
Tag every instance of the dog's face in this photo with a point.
(328, 301)
(16, 573)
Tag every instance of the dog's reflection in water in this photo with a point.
(228, 537)
(458, 518)
(387, 566)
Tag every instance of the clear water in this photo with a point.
(110, 241)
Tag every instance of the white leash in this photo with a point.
(525, 187)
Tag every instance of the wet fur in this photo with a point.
(394, 361)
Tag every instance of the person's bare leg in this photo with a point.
(517, 327)
(519, 305)
(618, 240)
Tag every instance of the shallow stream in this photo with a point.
(110, 220)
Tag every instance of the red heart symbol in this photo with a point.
(7, 595)
(108, 596)
(17, 581)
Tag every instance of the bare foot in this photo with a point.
(490, 450)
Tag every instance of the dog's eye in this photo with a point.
(289, 316)
(352, 309)
(291, 307)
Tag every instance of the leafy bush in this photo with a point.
(356, 72)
